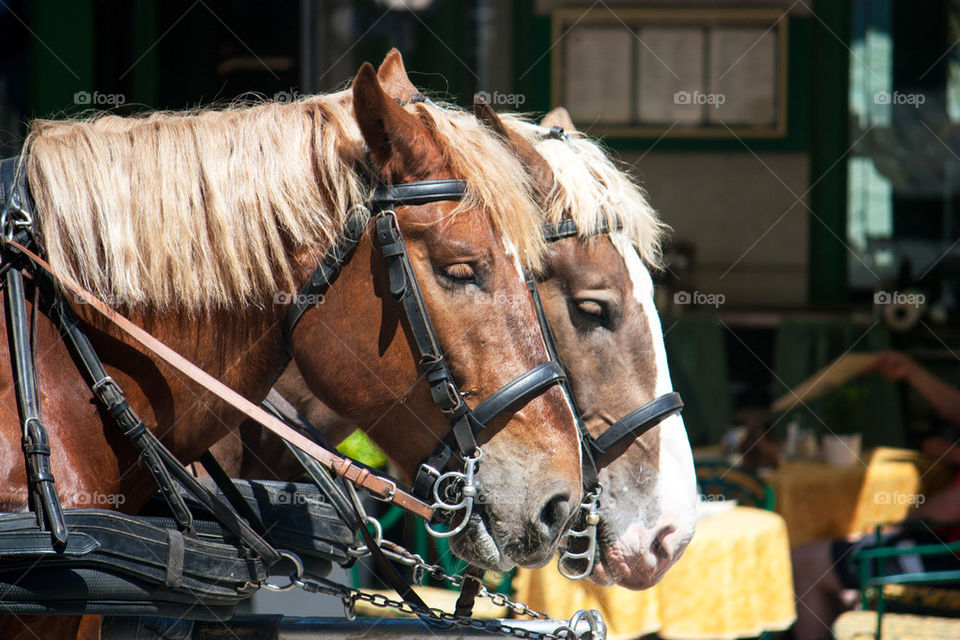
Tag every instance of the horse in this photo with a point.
(598, 298)
(198, 225)
(597, 293)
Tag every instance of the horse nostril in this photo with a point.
(555, 513)
(660, 547)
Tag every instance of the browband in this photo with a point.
(567, 228)
(418, 193)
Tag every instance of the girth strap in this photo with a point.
(635, 424)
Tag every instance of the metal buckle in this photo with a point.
(390, 494)
(468, 494)
(589, 533)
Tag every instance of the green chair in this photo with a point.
(722, 481)
(924, 595)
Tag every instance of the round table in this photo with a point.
(819, 501)
(733, 581)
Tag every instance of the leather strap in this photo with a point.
(418, 193)
(385, 489)
(42, 488)
(328, 268)
(230, 491)
(635, 424)
(589, 469)
(472, 581)
(114, 401)
(567, 228)
(520, 390)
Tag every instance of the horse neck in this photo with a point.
(242, 348)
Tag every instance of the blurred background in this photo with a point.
(805, 152)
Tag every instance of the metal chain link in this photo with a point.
(350, 596)
(423, 568)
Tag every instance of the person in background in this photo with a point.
(824, 573)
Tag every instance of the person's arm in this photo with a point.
(943, 506)
(944, 398)
(941, 450)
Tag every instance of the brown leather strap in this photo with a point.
(472, 580)
(383, 488)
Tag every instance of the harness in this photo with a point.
(163, 569)
(596, 450)
(451, 490)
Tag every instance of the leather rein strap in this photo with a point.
(383, 488)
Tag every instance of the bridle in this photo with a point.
(451, 490)
(596, 450)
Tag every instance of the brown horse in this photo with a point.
(598, 296)
(192, 224)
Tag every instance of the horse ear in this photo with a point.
(393, 77)
(535, 164)
(485, 114)
(399, 143)
(559, 117)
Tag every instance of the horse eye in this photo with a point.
(591, 308)
(461, 272)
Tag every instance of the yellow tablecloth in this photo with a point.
(820, 501)
(733, 581)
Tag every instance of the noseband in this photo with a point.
(596, 450)
(452, 490)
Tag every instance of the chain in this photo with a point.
(350, 596)
(422, 568)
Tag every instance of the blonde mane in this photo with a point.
(209, 209)
(591, 189)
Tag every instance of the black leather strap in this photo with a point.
(520, 390)
(635, 424)
(114, 402)
(418, 193)
(36, 447)
(567, 228)
(589, 469)
(328, 268)
(230, 491)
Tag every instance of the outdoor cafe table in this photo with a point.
(733, 581)
(819, 501)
